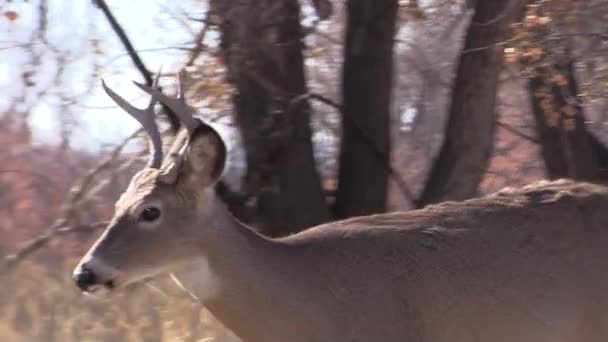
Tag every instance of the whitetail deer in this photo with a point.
(519, 265)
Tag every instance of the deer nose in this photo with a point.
(85, 278)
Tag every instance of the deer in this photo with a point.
(521, 264)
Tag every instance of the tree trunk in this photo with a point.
(567, 147)
(262, 47)
(366, 92)
(324, 8)
(469, 138)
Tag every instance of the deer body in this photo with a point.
(519, 265)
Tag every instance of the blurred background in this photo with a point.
(332, 109)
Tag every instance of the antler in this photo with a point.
(146, 117)
(178, 104)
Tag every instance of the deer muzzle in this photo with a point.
(88, 279)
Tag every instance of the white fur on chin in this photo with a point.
(198, 280)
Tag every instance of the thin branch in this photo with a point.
(124, 39)
(560, 36)
(199, 41)
(518, 133)
(602, 35)
(487, 47)
(57, 229)
(500, 16)
(322, 99)
(79, 193)
(137, 61)
(21, 45)
(395, 175)
(125, 166)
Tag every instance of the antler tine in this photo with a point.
(178, 104)
(147, 118)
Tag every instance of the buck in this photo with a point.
(525, 264)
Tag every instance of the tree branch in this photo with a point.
(137, 61)
(43, 239)
(517, 132)
(78, 195)
(124, 39)
(401, 183)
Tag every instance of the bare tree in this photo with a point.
(547, 58)
(568, 149)
(262, 46)
(364, 166)
(468, 142)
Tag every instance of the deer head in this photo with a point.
(155, 220)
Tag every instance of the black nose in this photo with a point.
(85, 278)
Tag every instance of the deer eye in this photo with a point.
(149, 214)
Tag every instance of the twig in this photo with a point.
(394, 174)
(199, 41)
(77, 195)
(126, 42)
(59, 228)
(503, 14)
(79, 191)
(517, 132)
(103, 184)
(486, 47)
(321, 99)
(137, 61)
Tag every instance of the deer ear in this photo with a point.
(205, 156)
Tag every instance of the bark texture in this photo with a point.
(568, 149)
(366, 92)
(469, 138)
(262, 47)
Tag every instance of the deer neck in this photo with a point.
(238, 275)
